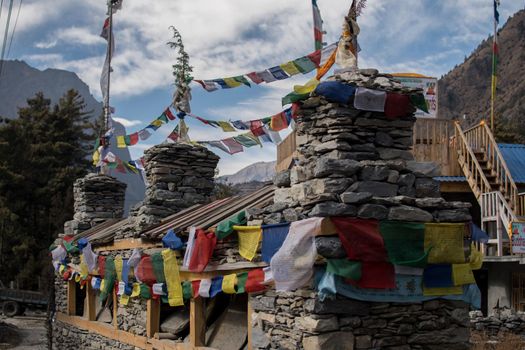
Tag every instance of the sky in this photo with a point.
(231, 37)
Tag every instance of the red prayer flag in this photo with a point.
(195, 285)
(133, 139)
(254, 77)
(361, 239)
(396, 105)
(101, 262)
(295, 109)
(377, 275)
(233, 146)
(315, 57)
(145, 271)
(202, 250)
(254, 281)
(256, 126)
(169, 114)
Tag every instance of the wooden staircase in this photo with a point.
(490, 180)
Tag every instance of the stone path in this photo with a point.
(31, 331)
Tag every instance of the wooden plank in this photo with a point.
(457, 187)
(129, 243)
(91, 298)
(115, 309)
(71, 298)
(250, 325)
(197, 322)
(153, 317)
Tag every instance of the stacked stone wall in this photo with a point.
(66, 337)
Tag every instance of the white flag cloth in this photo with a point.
(189, 247)
(408, 270)
(274, 135)
(370, 100)
(158, 289)
(90, 258)
(266, 76)
(204, 288)
(58, 254)
(106, 70)
(121, 288)
(268, 275)
(134, 260)
(292, 265)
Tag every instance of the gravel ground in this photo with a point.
(26, 332)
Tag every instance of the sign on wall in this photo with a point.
(518, 237)
(429, 87)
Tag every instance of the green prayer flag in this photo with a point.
(242, 79)
(225, 228)
(418, 100)
(241, 282)
(110, 276)
(97, 144)
(163, 117)
(246, 141)
(304, 64)
(145, 292)
(127, 140)
(344, 268)
(294, 97)
(187, 290)
(158, 267)
(404, 242)
(266, 120)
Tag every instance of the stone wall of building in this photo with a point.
(97, 198)
(66, 337)
(503, 321)
(60, 295)
(298, 320)
(357, 163)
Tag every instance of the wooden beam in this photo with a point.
(91, 297)
(458, 187)
(115, 309)
(197, 322)
(128, 243)
(71, 298)
(152, 317)
(249, 312)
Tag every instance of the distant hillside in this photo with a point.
(20, 81)
(256, 172)
(465, 90)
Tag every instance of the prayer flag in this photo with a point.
(404, 242)
(105, 29)
(168, 114)
(344, 268)
(222, 83)
(335, 91)
(144, 134)
(163, 118)
(239, 124)
(207, 85)
(438, 276)
(241, 282)
(216, 286)
(446, 241)
(254, 281)
(462, 274)
(318, 26)
(145, 291)
(273, 237)
(361, 239)
(204, 288)
(396, 105)
(315, 57)
(255, 77)
(231, 82)
(418, 101)
(377, 275)
(133, 138)
(195, 286)
(187, 290)
(476, 257)
(228, 283)
(136, 290)
(219, 145)
(306, 88)
(369, 100)
(101, 263)
(233, 145)
(225, 126)
(266, 76)
(477, 234)
(158, 122)
(121, 142)
(278, 73)
(145, 270)
(171, 271)
(256, 127)
(189, 247)
(245, 140)
(249, 238)
(241, 79)
(290, 68)
(225, 228)
(294, 97)
(202, 250)
(304, 64)
(158, 267)
(118, 266)
(172, 241)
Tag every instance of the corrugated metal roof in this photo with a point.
(514, 155)
(209, 215)
(450, 178)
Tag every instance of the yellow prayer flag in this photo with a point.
(124, 299)
(253, 137)
(103, 284)
(77, 278)
(156, 122)
(228, 283)
(442, 291)
(290, 68)
(121, 143)
(61, 269)
(96, 157)
(225, 126)
(171, 273)
(476, 257)
(118, 266)
(446, 241)
(231, 82)
(462, 274)
(84, 271)
(306, 88)
(136, 290)
(249, 237)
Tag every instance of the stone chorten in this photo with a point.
(357, 163)
(97, 198)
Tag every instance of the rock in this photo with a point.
(454, 215)
(290, 215)
(369, 71)
(355, 197)
(374, 173)
(407, 180)
(406, 213)
(317, 325)
(282, 179)
(277, 207)
(329, 341)
(444, 336)
(393, 201)
(263, 303)
(426, 187)
(424, 169)
(343, 306)
(273, 218)
(259, 339)
(377, 189)
(372, 211)
(176, 322)
(382, 343)
(430, 202)
(393, 176)
(330, 247)
(384, 139)
(393, 153)
(333, 209)
(363, 342)
(328, 166)
(332, 145)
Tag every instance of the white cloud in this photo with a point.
(73, 36)
(127, 122)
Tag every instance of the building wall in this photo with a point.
(500, 283)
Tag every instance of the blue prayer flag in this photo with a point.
(273, 237)
(216, 286)
(438, 276)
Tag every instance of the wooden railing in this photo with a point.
(495, 208)
(480, 138)
(470, 165)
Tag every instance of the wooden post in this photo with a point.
(71, 298)
(152, 317)
(249, 327)
(91, 303)
(197, 322)
(115, 308)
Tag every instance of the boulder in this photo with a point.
(376, 188)
(329, 341)
(333, 209)
(330, 247)
(327, 166)
(355, 197)
(372, 211)
(407, 213)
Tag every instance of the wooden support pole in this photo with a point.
(91, 311)
(153, 317)
(249, 327)
(71, 298)
(197, 322)
(115, 309)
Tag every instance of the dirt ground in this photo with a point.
(26, 332)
